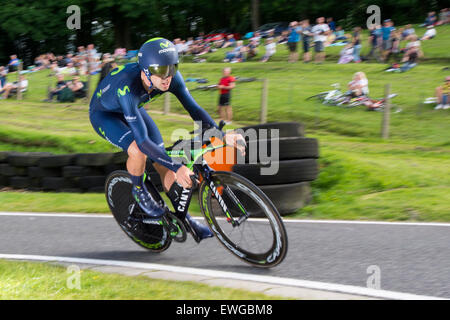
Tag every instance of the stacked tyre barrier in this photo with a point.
(289, 188)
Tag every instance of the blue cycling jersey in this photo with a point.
(122, 92)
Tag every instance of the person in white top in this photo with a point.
(271, 48)
(359, 86)
(429, 34)
(13, 87)
(320, 31)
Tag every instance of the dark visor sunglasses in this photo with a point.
(162, 72)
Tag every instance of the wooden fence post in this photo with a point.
(264, 94)
(166, 103)
(386, 112)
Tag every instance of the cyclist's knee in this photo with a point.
(135, 153)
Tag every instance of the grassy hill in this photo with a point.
(362, 176)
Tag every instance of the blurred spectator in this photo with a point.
(60, 85)
(282, 39)
(77, 87)
(429, 34)
(108, 64)
(375, 41)
(356, 41)
(236, 54)
(226, 84)
(412, 49)
(408, 31)
(346, 54)
(339, 34)
(359, 86)
(320, 31)
(69, 69)
(331, 24)
(444, 17)
(293, 39)
(10, 88)
(3, 74)
(119, 53)
(306, 40)
(231, 42)
(256, 38)
(252, 49)
(431, 19)
(271, 48)
(443, 95)
(13, 64)
(386, 30)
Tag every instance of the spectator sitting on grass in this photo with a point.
(69, 69)
(13, 64)
(413, 47)
(283, 38)
(359, 86)
(10, 88)
(346, 54)
(231, 42)
(429, 34)
(3, 74)
(444, 17)
(271, 48)
(77, 87)
(252, 49)
(443, 95)
(408, 31)
(431, 19)
(339, 34)
(61, 84)
(235, 54)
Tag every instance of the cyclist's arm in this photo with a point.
(197, 113)
(139, 129)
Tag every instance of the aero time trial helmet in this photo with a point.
(159, 57)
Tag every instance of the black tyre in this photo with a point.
(26, 159)
(152, 237)
(93, 159)
(78, 171)
(286, 129)
(260, 242)
(91, 182)
(38, 172)
(57, 183)
(288, 148)
(56, 161)
(19, 182)
(288, 198)
(289, 171)
(9, 171)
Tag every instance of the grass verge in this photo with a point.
(44, 281)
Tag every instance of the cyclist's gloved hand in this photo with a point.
(183, 177)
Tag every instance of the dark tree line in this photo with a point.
(32, 27)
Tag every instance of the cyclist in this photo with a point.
(117, 115)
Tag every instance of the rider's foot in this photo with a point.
(200, 229)
(146, 202)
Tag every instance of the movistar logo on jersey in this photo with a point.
(165, 47)
(123, 91)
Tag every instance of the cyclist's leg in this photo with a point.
(114, 128)
(177, 195)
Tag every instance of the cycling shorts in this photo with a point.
(113, 127)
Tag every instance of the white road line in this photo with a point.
(285, 220)
(361, 291)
